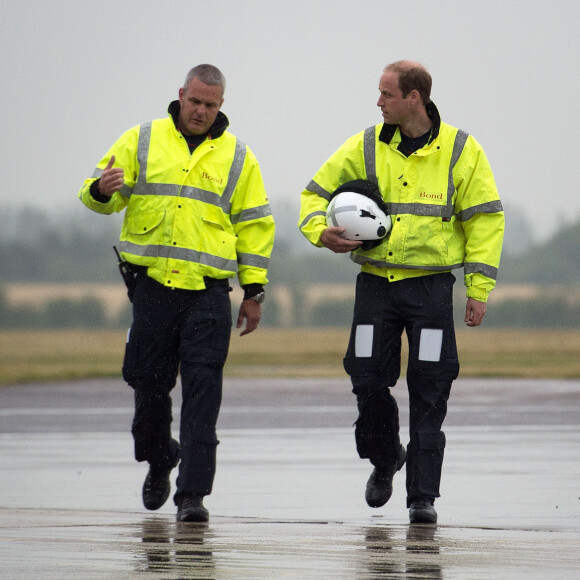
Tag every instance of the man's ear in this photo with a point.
(415, 97)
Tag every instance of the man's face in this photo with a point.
(394, 106)
(200, 104)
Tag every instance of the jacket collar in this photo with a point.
(218, 128)
(388, 131)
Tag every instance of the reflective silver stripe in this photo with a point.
(126, 191)
(160, 189)
(423, 209)
(141, 186)
(458, 145)
(234, 175)
(369, 146)
(253, 260)
(346, 208)
(490, 207)
(479, 268)
(205, 196)
(205, 259)
(313, 187)
(309, 217)
(470, 267)
(184, 254)
(253, 213)
(342, 209)
(360, 259)
(170, 189)
(97, 173)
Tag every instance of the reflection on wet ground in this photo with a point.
(333, 550)
(421, 545)
(168, 548)
(187, 549)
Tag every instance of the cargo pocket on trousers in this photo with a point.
(148, 361)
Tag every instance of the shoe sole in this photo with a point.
(193, 515)
(421, 516)
(159, 501)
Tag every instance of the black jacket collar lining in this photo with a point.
(387, 132)
(218, 128)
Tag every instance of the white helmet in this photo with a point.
(359, 207)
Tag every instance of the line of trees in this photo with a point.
(85, 312)
(89, 312)
(34, 248)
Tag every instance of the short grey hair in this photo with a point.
(208, 75)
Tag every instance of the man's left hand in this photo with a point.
(474, 312)
(252, 312)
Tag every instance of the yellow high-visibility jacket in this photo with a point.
(189, 215)
(443, 202)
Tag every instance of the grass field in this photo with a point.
(29, 356)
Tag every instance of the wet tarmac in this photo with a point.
(288, 499)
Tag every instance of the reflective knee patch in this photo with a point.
(363, 342)
(430, 342)
(373, 349)
(433, 353)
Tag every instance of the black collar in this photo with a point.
(387, 132)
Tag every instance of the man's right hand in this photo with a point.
(112, 179)
(333, 240)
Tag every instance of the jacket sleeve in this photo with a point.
(253, 224)
(125, 152)
(480, 213)
(346, 164)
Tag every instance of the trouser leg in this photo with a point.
(151, 429)
(433, 366)
(204, 347)
(150, 368)
(428, 407)
(373, 361)
(377, 426)
(198, 438)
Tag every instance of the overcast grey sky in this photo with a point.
(302, 77)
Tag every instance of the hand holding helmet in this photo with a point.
(333, 238)
(358, 207)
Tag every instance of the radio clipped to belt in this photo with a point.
(127, 273)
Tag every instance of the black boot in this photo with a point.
(422, 511)
(190, 509)
(156, 488)
(380, 484)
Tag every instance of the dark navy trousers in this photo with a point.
(186, 332)
(423, 308)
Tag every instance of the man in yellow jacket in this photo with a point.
(196, 215)
(446, 214)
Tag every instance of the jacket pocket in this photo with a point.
(217, 240)
(140, 224)
(425, 243)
